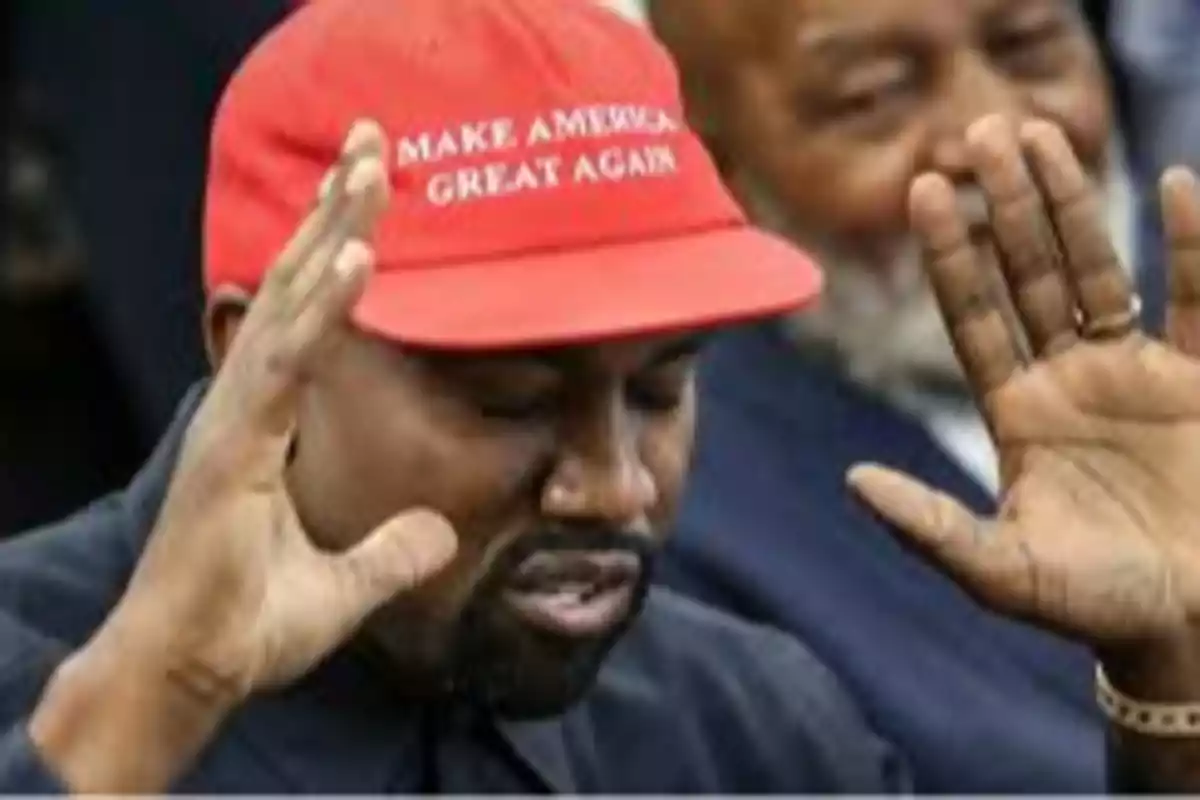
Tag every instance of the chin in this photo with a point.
(523, 674)
(535, 685)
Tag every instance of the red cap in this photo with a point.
(545, 187)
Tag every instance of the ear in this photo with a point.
(227, 307)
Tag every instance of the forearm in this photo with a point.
(113, 723)
(1141, 763)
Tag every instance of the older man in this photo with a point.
(820, 113)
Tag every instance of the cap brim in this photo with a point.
(679, 284)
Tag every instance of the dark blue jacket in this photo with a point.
(768, 531)
(690, 701)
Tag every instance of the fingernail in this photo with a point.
(990, 131)
(1179, 178)
(858, 474)
(929, 197)
(360, 132)
(354, 257)
(354, 137)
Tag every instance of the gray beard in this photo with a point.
(882, 327)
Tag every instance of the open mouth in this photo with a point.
(574, 594)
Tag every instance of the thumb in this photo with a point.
(975, 553)
(1180, 202)
(399, 555)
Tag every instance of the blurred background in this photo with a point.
(109, 104)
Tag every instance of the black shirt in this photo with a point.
(691, 700)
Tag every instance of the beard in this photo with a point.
(497, 663)
(878, 318)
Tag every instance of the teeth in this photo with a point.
(570, 592)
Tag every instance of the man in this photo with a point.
(821, 115)
(403, 542)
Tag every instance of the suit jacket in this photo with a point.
(768, 531)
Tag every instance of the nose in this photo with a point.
(974, 89)
(600, 476)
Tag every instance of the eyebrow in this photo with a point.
(558, 357)
(840, 41)
(562, 357)
(686, 347)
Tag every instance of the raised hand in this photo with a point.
(230, 596)
(1097, 534)
(228, 564)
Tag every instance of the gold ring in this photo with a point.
(1112, 326)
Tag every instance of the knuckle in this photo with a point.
(945, 519)
(280, 362)
(939, 519)
(1079, 211)
(277, 279)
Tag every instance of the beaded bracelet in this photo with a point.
(1167, 720)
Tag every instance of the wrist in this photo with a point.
(118, 718)
(1161, 670)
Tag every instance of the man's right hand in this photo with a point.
(230, 596)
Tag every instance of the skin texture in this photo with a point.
(581, 448)
(821, 115)
(836, 111)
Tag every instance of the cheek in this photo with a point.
(367, 464)
(666, 452)
(851, 189)
(1080, 105)
(844, 186)
(841, 186)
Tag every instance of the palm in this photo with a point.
(229, 579)
(277, 593)
(1097, 426)
(262, 595)
(1092, 445)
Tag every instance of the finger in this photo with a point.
(1025, 239)
(255, 392)
(969, 304)
(1100, 284)
(252, 398)
(1181, 219)
(366, 197)
(364, 141)
(397, 557)
(974, 553)
(329, 304)
(285, 330)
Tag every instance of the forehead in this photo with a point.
(616, 356)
